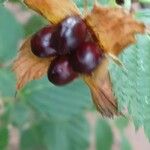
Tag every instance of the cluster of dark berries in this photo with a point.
(74, 50)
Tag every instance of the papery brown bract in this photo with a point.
(53, 10)
(114, 28)
(28, 67)
(101, 90)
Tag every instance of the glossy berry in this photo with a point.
(86, 57)
(40, 43)
(60, 71)
(70, 33)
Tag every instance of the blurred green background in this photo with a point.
(45, 117)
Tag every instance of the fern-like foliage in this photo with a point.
(131, 84)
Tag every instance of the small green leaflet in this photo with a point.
(7, 83)
(125, 145)
(51, 135)
(2, 1)
(4, 137)
(132, 86)
(9, 35)
(104, 135)
(60, 103)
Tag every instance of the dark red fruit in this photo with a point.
(40, 42)
(70, 33)
(60, 71)
(86, 57)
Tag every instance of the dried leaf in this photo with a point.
(53, 10)
(101, 90)
(114, 28)
(29, 67)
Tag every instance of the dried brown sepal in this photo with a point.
(29, 67)
(114, 28)
(101, 90)
(53, 10)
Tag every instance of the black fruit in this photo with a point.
(86, 57)
(40, 42)
(70, 33)
(60, 71)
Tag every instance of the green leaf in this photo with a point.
(57, 102)
(81, 3)
(144, 1)
(31, 139)
(104, 135)
(147, 128)
(20, 115)
(104, 2)
(132, 86)
(34, 24)
(4, 137)
(7, 83)
(14, 1)
(70, 135)
(2, 1)
(143, 15)
(10, 34)
(121, 123)
(125, 145)
(5, 116)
